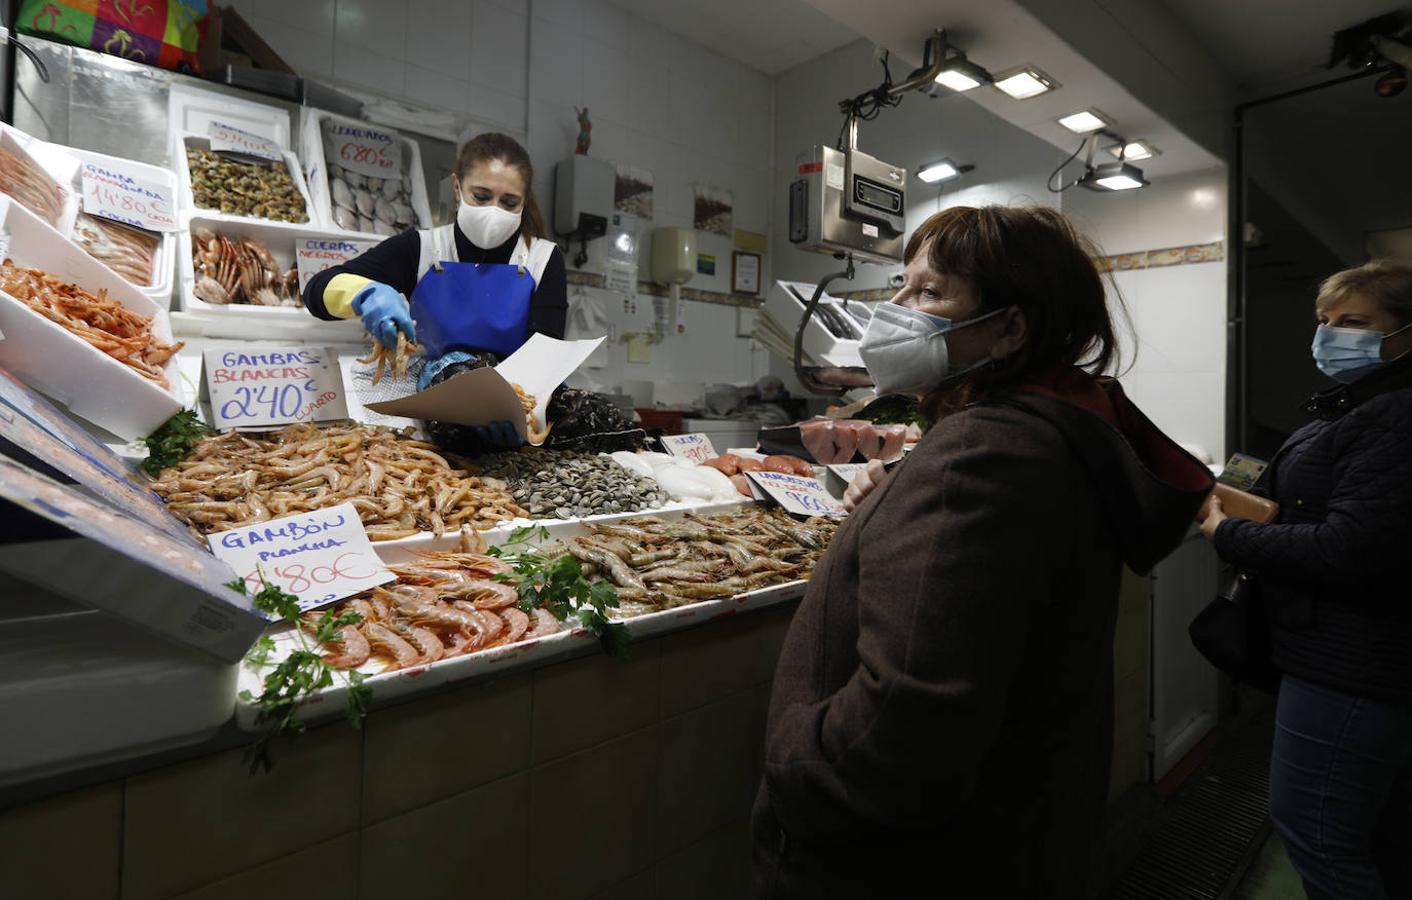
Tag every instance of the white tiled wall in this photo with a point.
(657, 101)
(1178, 375)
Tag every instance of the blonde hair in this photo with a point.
(1387, 282)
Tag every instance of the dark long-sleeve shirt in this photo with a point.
(394, 263)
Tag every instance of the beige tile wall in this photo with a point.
(653, 764)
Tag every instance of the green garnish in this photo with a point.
(557, 584)
(301, 673)
(171, 443)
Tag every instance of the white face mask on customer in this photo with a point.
(905, 349)
(487, 226)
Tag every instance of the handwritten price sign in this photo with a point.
(117, 195)
(366, 150)
(314, 255)
(695, 447)
(798, 495)
(229, 139)
(256, 388)
(318, 557)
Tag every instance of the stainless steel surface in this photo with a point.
(98, 102)
(817, 218)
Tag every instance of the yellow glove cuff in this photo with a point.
(340, 291)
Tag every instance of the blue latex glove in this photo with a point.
(498, 435)
(384, 312)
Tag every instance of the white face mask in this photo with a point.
(905, 349)
(487, 226)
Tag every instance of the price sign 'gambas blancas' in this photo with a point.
(122, 197)
(259, 387)
(365, 150)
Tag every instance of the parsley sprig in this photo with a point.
(173, 442)
(557, 584)
(302, 673)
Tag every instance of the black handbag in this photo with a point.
(1233, 633)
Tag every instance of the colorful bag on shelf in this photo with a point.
(165, 33)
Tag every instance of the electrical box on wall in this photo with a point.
(673, 255)
(583, 197)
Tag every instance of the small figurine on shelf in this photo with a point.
(585, 132)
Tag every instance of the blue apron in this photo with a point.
(471, 306)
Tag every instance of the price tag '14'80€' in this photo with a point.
(256, 387)
(798, 495)
(114, 194)
(318, 557)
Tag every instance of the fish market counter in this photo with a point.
(493, 752)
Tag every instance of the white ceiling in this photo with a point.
(1001, 34)
(1271, 45)
(771, 36)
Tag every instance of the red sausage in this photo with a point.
(742, 484)
(750, 465)
(727, 464)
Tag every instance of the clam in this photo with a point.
(364, 201)
(341, 194)
(344, 217)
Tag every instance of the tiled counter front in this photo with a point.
(588, 778)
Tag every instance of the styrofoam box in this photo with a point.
(785, 304)
(47, 357)
(191, 110)
(402, 682)
(188, 198)
(311, 150)
(164, 263)
(281, 238)
(62, 168)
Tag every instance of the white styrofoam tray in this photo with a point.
(62, 168)
(47, 357)
(281, 238)
(164, 262)
(191, 110)
(403, 682)
(311, 150)
(188, 207)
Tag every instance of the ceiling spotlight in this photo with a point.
(1025, 82)
(941, 170)
(1134, 150)
(1085, 121)
(960, 74)
(1113, 176)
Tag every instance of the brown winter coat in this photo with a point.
(941, 723)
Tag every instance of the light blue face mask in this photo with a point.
(1347, 354)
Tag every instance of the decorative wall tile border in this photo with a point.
(1169, 256)
(1121, 262)
(653, 289)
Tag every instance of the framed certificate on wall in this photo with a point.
(745, 273)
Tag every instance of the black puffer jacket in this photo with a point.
(1334, 566)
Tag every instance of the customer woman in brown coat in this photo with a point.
(941, 723)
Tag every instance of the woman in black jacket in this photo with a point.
(1335, 587)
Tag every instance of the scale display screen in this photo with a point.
(875, 195)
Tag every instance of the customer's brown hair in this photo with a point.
(1034, 259)
(495, 146)
(1388, 282)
